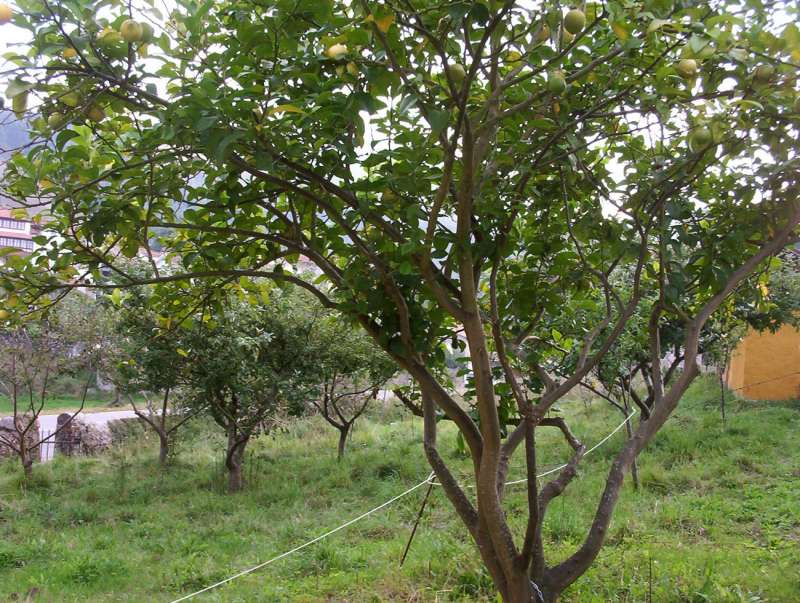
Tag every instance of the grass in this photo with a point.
(717, 517)
(59, 404)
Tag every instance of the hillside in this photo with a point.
(717, 518)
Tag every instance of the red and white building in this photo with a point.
(16, 233)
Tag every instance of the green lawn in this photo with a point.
(717, 518)
(59, 404)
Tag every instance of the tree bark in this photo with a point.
(26, 460)
(163, 451)
(344, 431)
(234, 460)
(629, 432)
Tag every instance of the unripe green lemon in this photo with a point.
(96, 113)
(556, 84)
(763, 73)
(700, 137)
(147, 33)
(131, 31)
(686, 68)
(574, 21)
(56, 120)
(457, 72)
(543, 34)
(19, 104)
(70, 99)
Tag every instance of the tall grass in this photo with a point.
(717, 517)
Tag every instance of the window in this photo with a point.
(11, 224)
(26, 244)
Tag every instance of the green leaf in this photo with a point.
(406, 103)
(17, 86)
(438, 120)
(221, 149)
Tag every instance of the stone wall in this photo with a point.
(79, 437)
(9, 433)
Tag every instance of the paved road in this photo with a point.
(48, 422)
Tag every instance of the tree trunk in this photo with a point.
(629, 432)
(163, 451)
(522, 589)
(344, 431)
(234, 459)
(26, 460)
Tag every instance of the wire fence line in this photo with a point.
(426, 481)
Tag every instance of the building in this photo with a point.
(766, 366)
(16, 233)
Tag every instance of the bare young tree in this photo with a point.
(351, 371)
(30, 359)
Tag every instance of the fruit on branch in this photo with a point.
(556, 84)
(566, 37)
(56, 120)
(70, 99)
(352, 69)
(457, 73)
(111, 43)
(147, 33)
(131, 31)
(336, 51)
(5, 14)
(543, 35)
(109, 38)
(763, 73)
(574, 21)
(95, 113)
(686, 68)
(700, 137)
(69, 53)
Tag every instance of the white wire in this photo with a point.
(592, 449)
(428, 480)
(309, 543)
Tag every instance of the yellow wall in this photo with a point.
(766, 366)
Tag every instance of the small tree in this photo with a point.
(352, 371)
(31, 357)
(148, 361)
(248, 364)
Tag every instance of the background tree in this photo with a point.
(247, 365)
(33, 354)
(352, 370)
(453, 170)
(149, 362)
